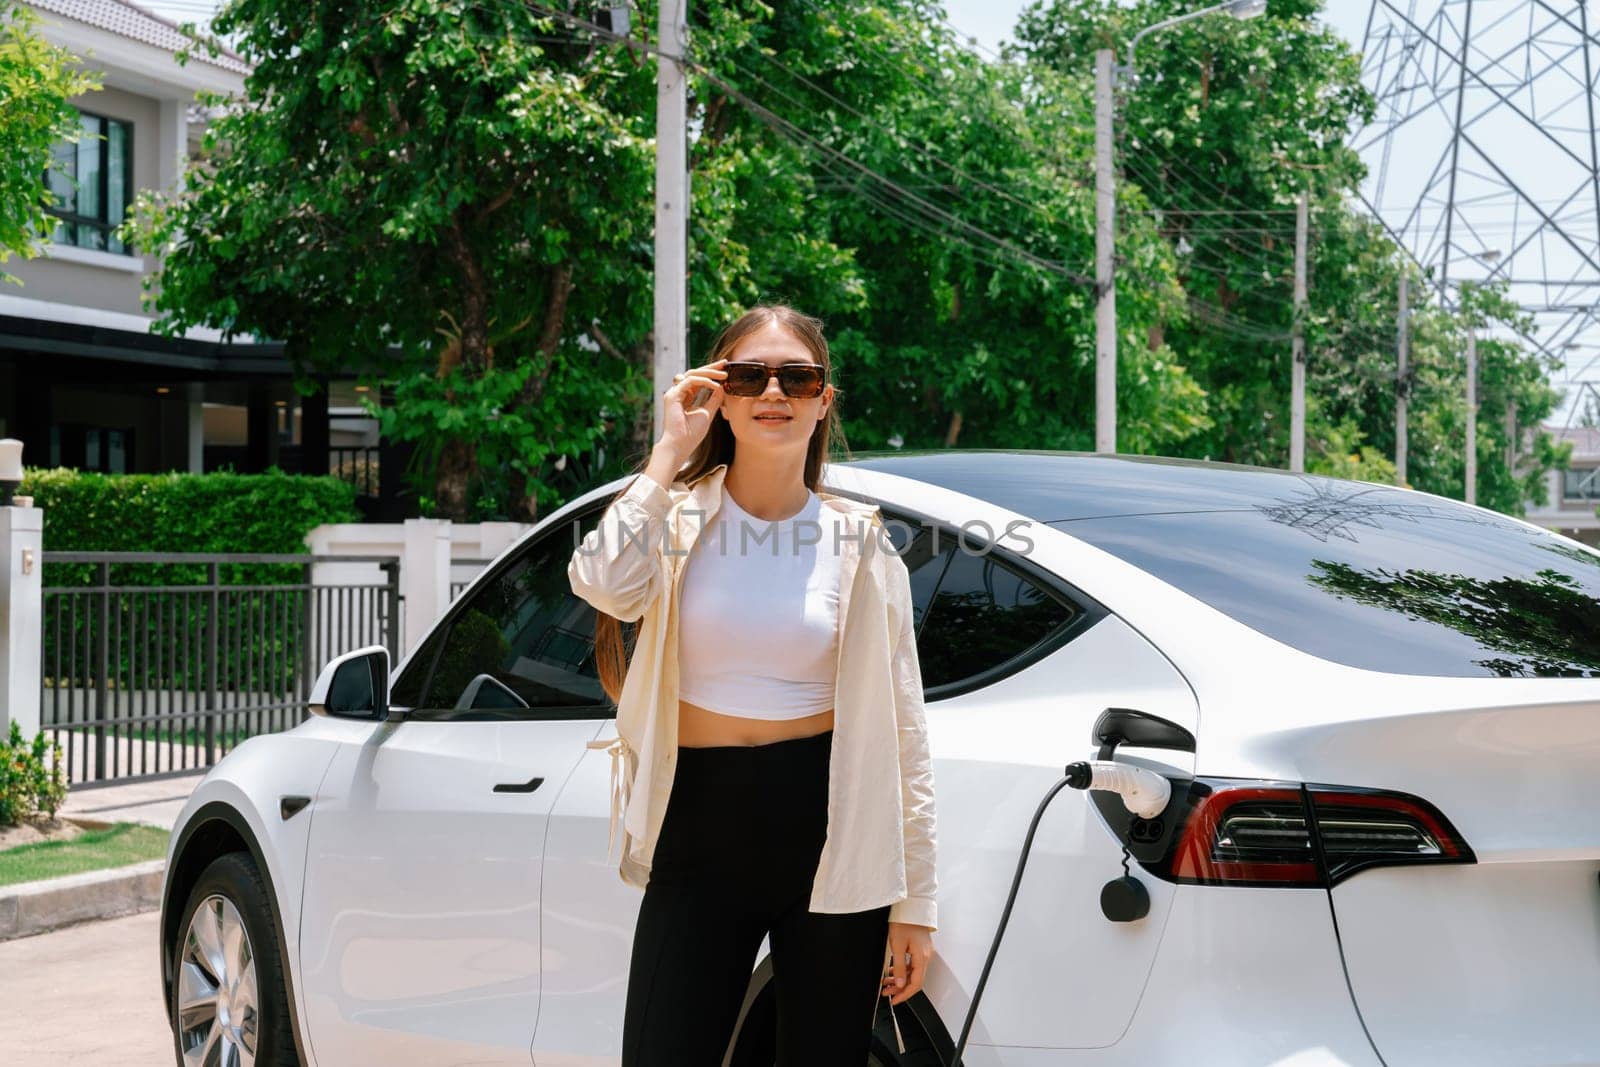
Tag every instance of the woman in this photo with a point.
(771, 768)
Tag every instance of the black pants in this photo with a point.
(735, 861)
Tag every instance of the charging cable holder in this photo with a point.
(1125, 899)
(1145, 795)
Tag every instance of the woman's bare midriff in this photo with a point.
(703, 728)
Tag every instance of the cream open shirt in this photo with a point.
(880, 842)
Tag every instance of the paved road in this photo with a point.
(86, 995)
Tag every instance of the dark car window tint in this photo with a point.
(984, 614)
(522, 641)
(925, 555)
(1379, 578)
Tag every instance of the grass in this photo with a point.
(118, 845)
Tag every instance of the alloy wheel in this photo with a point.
(218, 1001)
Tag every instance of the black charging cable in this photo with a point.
(1078, 776)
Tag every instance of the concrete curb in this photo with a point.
(36, 907)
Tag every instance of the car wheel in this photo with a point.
(229, 1008)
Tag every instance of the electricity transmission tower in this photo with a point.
(1484, 138)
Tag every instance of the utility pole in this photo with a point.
(1511, 436)
(1105, 229)
(1472, 414)
(672, 203)
(1402, 385)
(1297, 399)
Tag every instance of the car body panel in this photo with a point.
(420, 935)
(1244, 978)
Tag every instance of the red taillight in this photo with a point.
(1261, 833)
(1362, 828)
(1246, 833)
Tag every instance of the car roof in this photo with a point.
(1060, 486)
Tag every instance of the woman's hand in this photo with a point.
(684, 427)
(904, 979)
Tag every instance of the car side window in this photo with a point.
(978, 615)
(925, 552)
(521, 644)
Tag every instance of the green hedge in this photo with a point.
(220, 512)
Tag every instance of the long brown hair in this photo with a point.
(610, 655)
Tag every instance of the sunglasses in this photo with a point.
(800, 381)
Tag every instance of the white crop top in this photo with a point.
(758, 614)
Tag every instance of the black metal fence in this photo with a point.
(358, 465)
(160, 663)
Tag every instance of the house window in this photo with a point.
(92, 182)
(1581, 483)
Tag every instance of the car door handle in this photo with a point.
(519, 787)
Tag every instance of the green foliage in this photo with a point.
(977, 325)
(440, 194)
(1223, 127)
(120, 845)
(454, 199)
(218, 512)
(476, 646)
(32, 777)
(36, 80)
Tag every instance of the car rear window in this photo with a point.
(1379, 578)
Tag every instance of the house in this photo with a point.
(1575, 492)
(83, 381)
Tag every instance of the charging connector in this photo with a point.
(1144, 793)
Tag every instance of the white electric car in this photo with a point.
(1379, 711)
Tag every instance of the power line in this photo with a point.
(911, 200)
(927, 207)
(900, 139)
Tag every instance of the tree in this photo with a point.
(422, 191)
(962, 189)
(37, 81)
(1225, 125)
(456, 197)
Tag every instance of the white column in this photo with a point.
(424, 577)
(172, 143)
(21, 616)
(495, 537)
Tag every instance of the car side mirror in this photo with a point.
(354, 686)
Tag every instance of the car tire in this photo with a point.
(228, 992)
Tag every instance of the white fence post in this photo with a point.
(424, 576)
(435, 555)
(21, 617)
